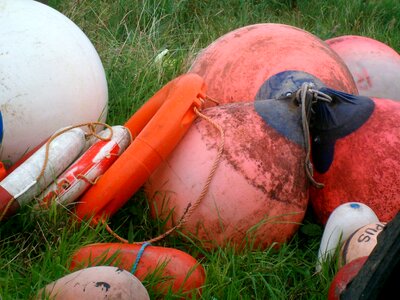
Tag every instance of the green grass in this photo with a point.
(128, 34)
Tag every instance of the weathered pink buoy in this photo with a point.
(237, 64)
(355, 144)
(259, 192)
(374, 65)
(365, 167)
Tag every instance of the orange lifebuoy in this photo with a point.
(156, 127)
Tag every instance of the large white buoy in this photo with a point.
(50, 76)
(374, 65)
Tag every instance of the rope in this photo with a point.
(139, 256)
(307, 96)
(190, 208)
(92, 182)
(92, 132)
(6, 209)
(208, 98)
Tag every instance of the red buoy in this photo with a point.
(237, 64)
(259, 193)
(365, 166)
(374, 65)
(344, 276)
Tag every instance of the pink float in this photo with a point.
(366, 166)
(238, 63)
(259, 193)
(374, 65)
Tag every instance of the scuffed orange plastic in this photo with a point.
(156, 127)
(179, 271)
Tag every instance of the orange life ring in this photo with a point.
(156, 127)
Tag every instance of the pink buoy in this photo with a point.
(365, 167)
(259, 193)
(355, 145)
(374, 65)
(238, 63)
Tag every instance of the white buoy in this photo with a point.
(50, 76)
(342, 222)
(99, 282)
(374, 65)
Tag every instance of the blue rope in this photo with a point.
(139, 256)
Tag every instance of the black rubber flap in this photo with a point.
(331, 121)
(328, 122)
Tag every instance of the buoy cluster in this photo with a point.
(268, 119)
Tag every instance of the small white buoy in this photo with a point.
(342, 222)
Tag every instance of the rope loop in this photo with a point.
(92, 132)
(306, 96)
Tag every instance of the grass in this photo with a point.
(128, 35)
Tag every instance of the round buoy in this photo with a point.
(354, 144)
(374, 65)
(342, 222)
(102, 282)
(50, 76)
(259, 192)
(365, 166)
(360, 243)
(236, 65)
